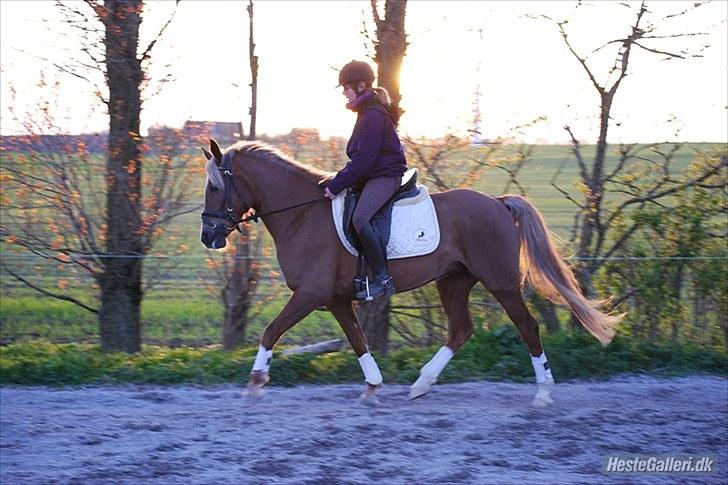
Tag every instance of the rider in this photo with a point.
(376, 166)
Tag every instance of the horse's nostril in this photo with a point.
(205, 239)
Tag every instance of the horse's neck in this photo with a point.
(277, 187)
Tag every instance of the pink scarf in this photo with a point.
(360, 100)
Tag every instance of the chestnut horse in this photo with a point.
(499, 242)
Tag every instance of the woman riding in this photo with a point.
(376, 165)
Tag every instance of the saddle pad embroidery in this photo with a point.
(415, 230)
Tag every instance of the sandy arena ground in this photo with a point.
(478, 432)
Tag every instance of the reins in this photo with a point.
(254, 217)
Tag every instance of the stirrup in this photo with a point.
(369, 290)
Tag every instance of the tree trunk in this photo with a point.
(241, 277)
(389, 48)
(119, 315)
(676, 290)
(253, 111)
(374, 319)
(389, 51)
(584, 270)
(121, 289)
(238, 293)
(546, 311)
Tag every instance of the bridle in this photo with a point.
(226, 208)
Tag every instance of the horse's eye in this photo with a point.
(213, 189)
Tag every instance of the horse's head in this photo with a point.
(224, 201)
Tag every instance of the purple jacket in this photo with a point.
(374, 147)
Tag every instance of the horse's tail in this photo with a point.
(542, 265)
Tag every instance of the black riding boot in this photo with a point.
(382, 284)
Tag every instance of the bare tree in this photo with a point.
(240, 269)
(101, 219)
(389, 47)
(253, 59)
(596, 218)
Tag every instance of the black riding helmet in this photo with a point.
(356, 71)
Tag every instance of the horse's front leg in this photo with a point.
(300, 304)
(344, 313)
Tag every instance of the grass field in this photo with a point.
(182, 310)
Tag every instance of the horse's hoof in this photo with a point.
(369, 396)
(258, 379)
(422, 386)
(254, 392)
(543, 395)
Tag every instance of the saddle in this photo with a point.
(382, 220)
(408, 222)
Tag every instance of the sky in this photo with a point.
(519, 64)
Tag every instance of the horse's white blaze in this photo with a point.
(213, 175)
(370, 369)
(262, 360)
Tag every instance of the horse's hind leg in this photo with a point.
(512, 302)
(454, 291)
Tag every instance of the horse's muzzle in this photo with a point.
(213, 237)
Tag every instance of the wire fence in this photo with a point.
(12, 256)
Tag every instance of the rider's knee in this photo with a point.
(359, 222)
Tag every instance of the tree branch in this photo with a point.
(48, 293)
(582, 61)
(148, 50)
(576, 150)
(375, 16)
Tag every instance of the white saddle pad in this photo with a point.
(415, 230)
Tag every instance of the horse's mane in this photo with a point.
(269, 154)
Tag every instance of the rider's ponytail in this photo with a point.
(382, 97)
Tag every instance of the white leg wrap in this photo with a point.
(370, 369)
(262, 360)
(542, 369)
(435, 366)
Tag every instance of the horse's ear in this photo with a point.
(208, 155)
(215, 149)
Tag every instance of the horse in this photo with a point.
(500, 242)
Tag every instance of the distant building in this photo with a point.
(219, 130)
(305, 135)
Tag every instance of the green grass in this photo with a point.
(192, 320)
(494, 355)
